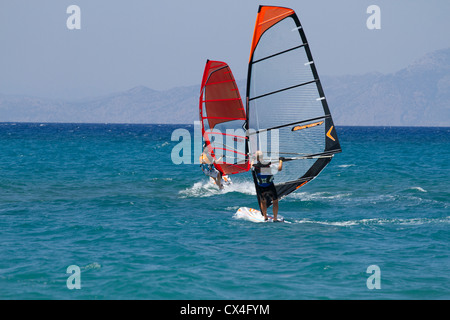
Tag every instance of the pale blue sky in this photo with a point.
(164, 44)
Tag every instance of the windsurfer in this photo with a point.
(266, 191)
(207, 165)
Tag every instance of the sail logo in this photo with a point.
(307, 126)
(329, 134)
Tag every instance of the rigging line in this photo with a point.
(326, 154)
(291, 124)
(241, 166)
(276, 54)
(302, 158)
(214, 143)
(297, 153)
(281, 90)
(230, 148)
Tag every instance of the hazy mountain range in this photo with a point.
(418, 95)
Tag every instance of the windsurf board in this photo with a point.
(226, 181)
(254, 215)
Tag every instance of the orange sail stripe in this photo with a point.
(301, 185)
(267, 17)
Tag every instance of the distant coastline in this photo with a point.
(187, 125)
(416, 96)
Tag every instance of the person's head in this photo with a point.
(259, 156)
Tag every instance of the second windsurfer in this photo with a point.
(208, 168)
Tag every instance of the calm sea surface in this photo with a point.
(108, 199)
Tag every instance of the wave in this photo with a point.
(346, 165)
(377, 221)
(90, 266)
(418, 189)
(410, 197)
(360, 222)
(306, 196)
(207, 189)
(159, 146)
(160, 179)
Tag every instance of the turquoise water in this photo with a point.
(108, 198)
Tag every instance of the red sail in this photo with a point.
(222, 116)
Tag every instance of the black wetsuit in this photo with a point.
(265, 187)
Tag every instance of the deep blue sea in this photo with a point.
(108, 199)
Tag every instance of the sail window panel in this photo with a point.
(293, 169)
(231, 126)
(280, 72)
(227, 151)
(302, 142)
(216, 143)
(290, 144)
(233, 139)
(285, 107)
(285, 143)
(281, 36)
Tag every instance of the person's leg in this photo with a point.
(264, 207)
(219, 180)
(275, 209)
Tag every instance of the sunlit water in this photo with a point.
(108, 198)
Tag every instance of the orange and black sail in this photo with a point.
(288, 115)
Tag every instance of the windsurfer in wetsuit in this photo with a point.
(208, 168)
(266, 189)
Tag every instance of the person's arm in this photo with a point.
(280, 165)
